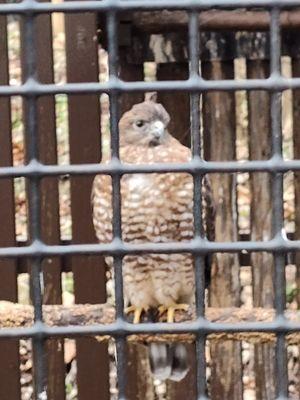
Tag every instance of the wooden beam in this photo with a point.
(13, 315)
(167, 21)
(9, 350)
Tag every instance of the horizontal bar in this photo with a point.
(32, 88)
(35, 168)
(244, 257)
(33, 7)
(123, 328)
(118, 248)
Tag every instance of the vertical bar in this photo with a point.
(89, 271)
(116, 197)
(116, 194)
(194, 48)
(296, 143)
(34, 210)
(196, 152)
(277, 211)
(296, 140)
(9, 350)
(50, 227)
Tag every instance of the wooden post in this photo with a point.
(50, 226)
(261, 211)
(84, 132)
(177, 105)
(128, 73)
(296, 140)
(219, 138)
(9, 350)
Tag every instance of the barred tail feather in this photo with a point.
(180, 365)
(168, 361)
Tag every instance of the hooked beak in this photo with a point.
(157, 131)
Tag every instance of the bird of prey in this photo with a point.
(155, 208)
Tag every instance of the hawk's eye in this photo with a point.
(140, 123)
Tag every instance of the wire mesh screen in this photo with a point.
(34, 171)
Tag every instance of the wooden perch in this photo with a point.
(167, 21)
(14, 315)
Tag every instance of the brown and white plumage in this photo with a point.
(156, 208)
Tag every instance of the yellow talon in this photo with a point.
(137, 312)
(171, 310)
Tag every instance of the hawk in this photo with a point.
(155, 208)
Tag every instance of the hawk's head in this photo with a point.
(145, 124)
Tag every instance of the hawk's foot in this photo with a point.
(171, 310)
(137, 312)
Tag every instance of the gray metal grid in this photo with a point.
(279, 245)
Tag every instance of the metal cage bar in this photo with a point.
(116, 199)
(35, 168)
(33, 6)
(32, 86)
(277, 196)
(199, 246)
(199, 262)
(30, 68)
